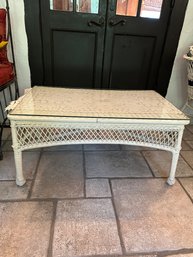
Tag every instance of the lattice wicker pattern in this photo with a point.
(37, 136)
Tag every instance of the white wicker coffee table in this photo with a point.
(48, 116)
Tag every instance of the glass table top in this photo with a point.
(89, 103)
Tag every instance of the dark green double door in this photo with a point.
(107, 44)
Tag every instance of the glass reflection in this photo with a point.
(87, 6)
(61, 5)
(127, 7)
(151, 9)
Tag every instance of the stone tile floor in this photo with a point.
(97, 200)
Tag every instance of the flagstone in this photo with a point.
(59, 175)
(153, 216)
(85, 227)
(116, 164)
(25, 228)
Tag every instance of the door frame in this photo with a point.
(34, 34)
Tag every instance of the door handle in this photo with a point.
(99, 23)
(115, 23)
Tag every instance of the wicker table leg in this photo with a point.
(20, 180)
(171, 178)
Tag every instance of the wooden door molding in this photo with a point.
(178, 11)
(34, 34)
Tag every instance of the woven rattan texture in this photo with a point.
(40, 135)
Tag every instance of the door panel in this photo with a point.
(45, 58)
(114, 48)
(73, 43)
(144, 40)
(73, 66)
(116, 44)
(131, 61)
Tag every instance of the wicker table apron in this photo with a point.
(47, 116)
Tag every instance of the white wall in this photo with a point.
(177, 90)
(19, 42)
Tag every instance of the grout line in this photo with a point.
(42, 199)
(184, 189)
(51, 199)
(185, 159)
(120, 148)
(102, 178)
(50, 243)
(186, 141)
(109, 183)
(148, 164)
(84, 173)
(117, 221)
(104, 255)
(34, 177)
(60, 151)
(167, 253)
(186, 127)
(99, 197)
(127, 177)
